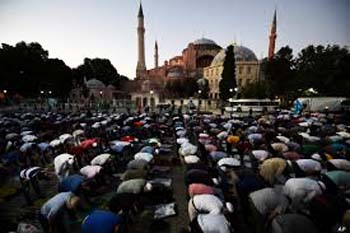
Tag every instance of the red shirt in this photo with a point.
(197, 189)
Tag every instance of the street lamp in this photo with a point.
(50, 92)
(199, 100)
(151, 92)
(4, 91)
(236, 92)
(231, 90)
(42, 92)
(100, 103)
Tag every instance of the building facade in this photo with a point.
(247, 70)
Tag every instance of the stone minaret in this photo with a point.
(141, 63)
(273, 36)
(156, 55)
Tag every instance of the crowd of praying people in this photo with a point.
(275, 172)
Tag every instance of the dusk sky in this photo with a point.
(74, 29)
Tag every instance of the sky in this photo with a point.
(74, 29)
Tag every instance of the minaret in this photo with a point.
(141, 64)
(156, 56)
(273, 36)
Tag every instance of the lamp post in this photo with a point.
(42, 99)
(236, 92)
(101, 95)
(5, 92)
(199, 100)
(151, 92)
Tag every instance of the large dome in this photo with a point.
(204, 41)
(241, 54)
(95, 84)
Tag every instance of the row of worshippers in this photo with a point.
(84, 166)
(281, 182)
(207, 209)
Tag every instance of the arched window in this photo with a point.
(145, 101)
(153, 102)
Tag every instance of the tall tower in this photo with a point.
(156, 56)
(273, 36)
(141, 63)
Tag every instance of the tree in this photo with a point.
(280, 74)
(101, 69)
(255, 90)
(325, 69)
(228, 77)
(26, 69)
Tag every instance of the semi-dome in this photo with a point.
(204, 41)
(94, 84)
(111, 87)
(241, 54)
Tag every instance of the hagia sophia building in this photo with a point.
(202, 58)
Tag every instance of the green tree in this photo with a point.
(101, 69)
(228, 77)
(325, 69)
(255, 90)
(280, 74)
(26, 69)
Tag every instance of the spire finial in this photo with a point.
(274, 23)
(273, 35)
(156, 55)
(140, 10)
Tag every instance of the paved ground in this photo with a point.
(145, 224)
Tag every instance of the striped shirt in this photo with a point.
(29, 173)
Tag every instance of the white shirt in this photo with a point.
(55, 204)
(309, 165)
(90, 171)
(301, 190)
(260, 154)
(210, 223)
(341, 164)
(231, 162)
(254, 137)
(100, 159)
(62, 163)
(132, 186)
(143, 155)
(188, 149)
(207, 203)
(191, 159)
(181, 140)
(268, 199)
